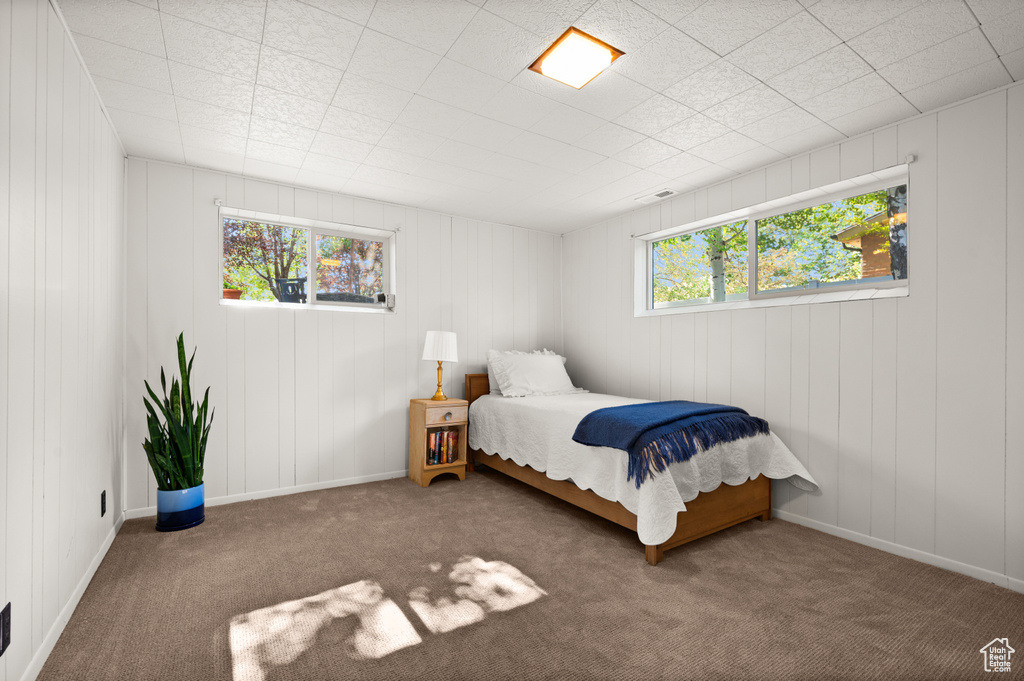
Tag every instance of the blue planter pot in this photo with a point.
(180, 509)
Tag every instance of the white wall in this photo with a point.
(61, 330)
(308, 398)
(907, 411)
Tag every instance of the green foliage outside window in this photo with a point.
(709, 264)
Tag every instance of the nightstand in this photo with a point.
(434, 425)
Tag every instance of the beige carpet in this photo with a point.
(489, 579)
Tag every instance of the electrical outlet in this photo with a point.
(103, 503)
(5, 628)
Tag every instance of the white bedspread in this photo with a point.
(537, 432)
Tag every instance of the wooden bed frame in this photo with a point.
(708, 513)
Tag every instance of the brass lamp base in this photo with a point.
(439, 395)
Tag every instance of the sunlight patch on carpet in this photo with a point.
(277, 635)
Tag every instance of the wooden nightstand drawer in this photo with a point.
(443, 415)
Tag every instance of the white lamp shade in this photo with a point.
(440, 346)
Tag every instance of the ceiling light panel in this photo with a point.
(576, 58)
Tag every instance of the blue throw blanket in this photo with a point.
(656, 434)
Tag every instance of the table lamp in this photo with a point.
(440, 346)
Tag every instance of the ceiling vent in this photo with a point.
(658, 196)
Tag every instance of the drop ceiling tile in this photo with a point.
(319, 181)
(297, 75)
(485, 133)
(353, 126)
(275, 172)
(712, 84)
(621, 23)
(670, 10)
(707, 176)
(139, 126)
(608, 170)
(480, 182)
(125, 24)
(442, 172)
(329, 165)
(748, 106)
(320, 36)
(464, 156)
(210, 87)
(147, 147)
(201, 138)
(152, 4)
(211, 117)
(126, 97)
(280, 133)
(939, 61)
(780, 124)
(852, 96)
(392, 62)
(215, 160)
(726, 146)
(392, 159)
(1007, 32)
(679, 165)
(546, 18)
(1014, 63)
(820, 74)
(967, 83)
(196, 45)
(609, 139)
(610, 95)
(990, 10)
(243, 18)
(750, 160)
(530, 146)
(878, 114)
(433, 25)
(805, 140)
(665, 60)
(371, 98)
(433, 117)
(692, 132)
(284, 106)
(460, 86)
(339, 147)
(574, 160)
(414, 141)
(646, 153)
(517, 107)
(724, 25)
(273, 153)
(792, 42)
(357, 11)
(850, 19)
(925, 25)
(567, 124)
(497, 47)
(124, 65)
(654, 115)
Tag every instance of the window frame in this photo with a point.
(312, 229)
(644, 304)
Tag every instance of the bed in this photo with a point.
(530, 439)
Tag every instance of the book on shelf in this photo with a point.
(442, 447)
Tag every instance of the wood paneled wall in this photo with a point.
(907, 411)
(61, 330)
(313, 398)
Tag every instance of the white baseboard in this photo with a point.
(905, 552)
(281, 491)
(35, 665)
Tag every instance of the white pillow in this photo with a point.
(519, 374)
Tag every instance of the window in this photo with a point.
(700, 267)
(269, 259)
(850, 235)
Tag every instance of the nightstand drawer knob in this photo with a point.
(448, 416)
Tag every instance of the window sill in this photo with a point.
(365, 309)
(780, 301)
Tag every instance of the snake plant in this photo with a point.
(178, 429)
